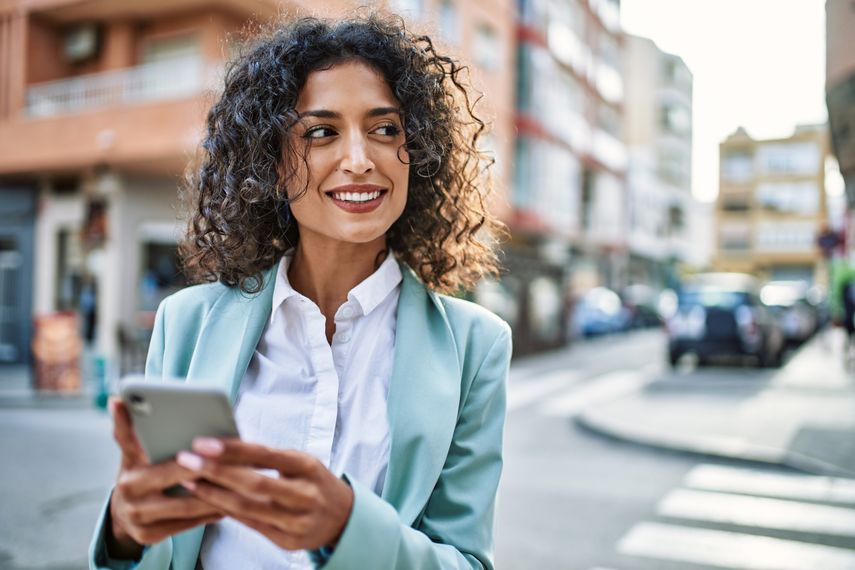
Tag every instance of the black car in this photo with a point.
(721, 314)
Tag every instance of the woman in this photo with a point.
(339, 195)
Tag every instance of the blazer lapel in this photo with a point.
(221, 356)
(423, 401)
(230, 334)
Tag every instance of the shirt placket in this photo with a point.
(325, 410)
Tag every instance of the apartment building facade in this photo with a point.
(102, 104)
(568, 195)
(772, 205)
(658, 134)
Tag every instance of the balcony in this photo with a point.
(149, 117)
(148, 83)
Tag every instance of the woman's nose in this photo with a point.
(356, 159)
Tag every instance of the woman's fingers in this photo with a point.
(152, 533)
(162, 508)
(274, 534)
(123, 433)
(233, 451)
(293, 495)
(155, 478)
(259, 510)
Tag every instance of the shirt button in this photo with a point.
(346, 312)
(344, 337)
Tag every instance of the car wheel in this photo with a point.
(770, 359)
(674, 357)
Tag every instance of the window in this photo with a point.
(675, 119)
(409, 9)
(736, 202)
(734, 236)
(610, 120)
(448, 21)
(790, 236)
(587, 198)
(802, 158)
(522, 173)
(486, 49)
(170, 48)
(161, 274)
(676, 219)
(790, 197)
(737, 167)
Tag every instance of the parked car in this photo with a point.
(642, 302)
(788, 301)
(721, 314)
(599, 311)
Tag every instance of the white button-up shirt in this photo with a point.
(328, 400)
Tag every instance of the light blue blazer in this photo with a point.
(446, 408)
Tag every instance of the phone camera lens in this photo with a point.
(136, 399)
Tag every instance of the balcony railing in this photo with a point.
(164, 80)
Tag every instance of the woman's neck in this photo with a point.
(325, 273)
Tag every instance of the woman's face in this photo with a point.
(356, 181)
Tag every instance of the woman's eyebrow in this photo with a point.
(327, 114)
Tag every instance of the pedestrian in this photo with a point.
(340, 197)
(848, 301)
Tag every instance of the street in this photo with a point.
(570, 498)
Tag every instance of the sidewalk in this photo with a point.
(16, 391)
(803, 416)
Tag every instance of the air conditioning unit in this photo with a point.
(81, 42)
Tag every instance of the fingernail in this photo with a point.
(189, 460)
(189, 485)
(208, 445)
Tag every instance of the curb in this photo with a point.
(28, 399)
(710, 446)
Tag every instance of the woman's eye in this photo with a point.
(318, 132)
(389, 130)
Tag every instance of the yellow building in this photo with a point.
(771, 204)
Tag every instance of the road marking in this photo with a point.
(524, 392)
(605, 387)
(758, 512)
(730, 549)
(770, 484)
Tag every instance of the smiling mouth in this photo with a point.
(356, 197)
(358, 200)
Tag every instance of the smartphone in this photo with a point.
(168, 416)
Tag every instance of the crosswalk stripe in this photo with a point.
(604, 387)
(758, 512)
(524, 392)
(730, 549)
(770, 484)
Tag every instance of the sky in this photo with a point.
(759, 64)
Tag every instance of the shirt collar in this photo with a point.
(368, 294)
(379, 285)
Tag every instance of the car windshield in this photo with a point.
(709, 297)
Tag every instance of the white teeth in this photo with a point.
(356, 196)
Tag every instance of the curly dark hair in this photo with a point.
(240, 221)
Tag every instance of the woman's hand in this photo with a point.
(139, 511)
(306, 507)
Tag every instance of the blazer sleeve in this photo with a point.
(156, 556)
(456, 528)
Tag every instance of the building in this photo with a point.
(658, 135)
(101, 106)
(772, 205)
(840, 89)
(570, 163)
